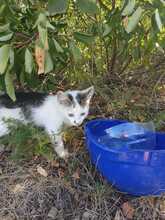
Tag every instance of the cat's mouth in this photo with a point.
(77, 124)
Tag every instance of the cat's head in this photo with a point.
(75, 104)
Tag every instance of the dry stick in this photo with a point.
(156, 84)
(126, 65)
(113, 59)
(106, 54)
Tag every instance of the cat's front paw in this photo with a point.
(61, 152)
(64, 154)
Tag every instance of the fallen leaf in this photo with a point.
(125, 21)
(76, 175)
(87, 216)
(162, 209)
(42, 171)
(118, 215)
(18, 188)
(55, 163)
(128, 210)
(7, 217)
(61, 173)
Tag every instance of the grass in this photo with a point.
(25, 141)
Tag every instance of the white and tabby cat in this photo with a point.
(51, 112)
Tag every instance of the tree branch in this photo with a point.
(23, 44)
(103, 5)
(113, 4)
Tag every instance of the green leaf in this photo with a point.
(28, 61)
(133, 20)
(49, 25)
(58, 47)
(9, 85)
(107, 29)
(129, 8)
(4, 57)
(42, 36)
(48, 62)
(6, 37)
(158, 19)
(88, 6)
(4, 28)
(84, 37)
(11, 57)
(2, 8)
(57, 6)
(163, 2)
(160, 49)
(43, 21)
(75, 51)
(22, 78)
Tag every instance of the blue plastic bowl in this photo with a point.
(136, 172)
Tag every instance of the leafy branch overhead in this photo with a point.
(46, 37)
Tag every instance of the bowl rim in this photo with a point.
(89, 133)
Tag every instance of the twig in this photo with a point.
(106, 54)
(113, 59)
(23, 44)
(155, 86)
(21, 34)
(126, 65)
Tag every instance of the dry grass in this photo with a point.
(72, 190)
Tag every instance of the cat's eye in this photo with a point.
(71, 115)
(82, 114)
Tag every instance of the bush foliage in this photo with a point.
(75, 39)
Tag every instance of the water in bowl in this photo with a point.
(139, 136)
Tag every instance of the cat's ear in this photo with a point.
(63, 98)
(87, 94)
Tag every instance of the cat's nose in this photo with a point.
(77, 123)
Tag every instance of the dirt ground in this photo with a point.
(38, 189)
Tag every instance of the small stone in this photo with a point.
(2, 148)
(53, 212)
(88, 216)
(77, 218)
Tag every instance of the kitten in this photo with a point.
(51, 112)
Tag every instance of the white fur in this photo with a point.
(52, 116)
